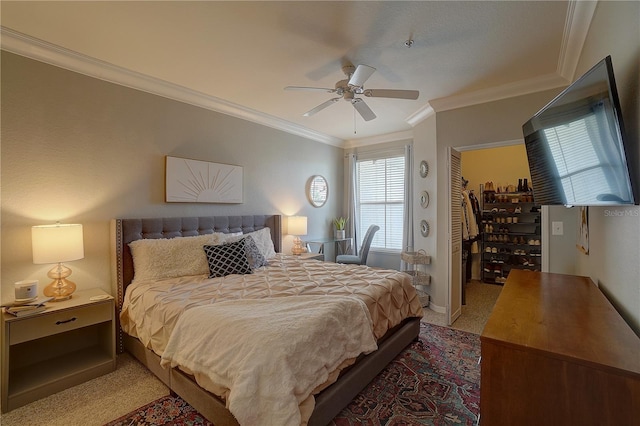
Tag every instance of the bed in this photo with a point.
(393, 330)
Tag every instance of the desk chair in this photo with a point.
(360, 259)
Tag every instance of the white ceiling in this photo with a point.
(236, 57)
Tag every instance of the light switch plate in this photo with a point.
(557, 228)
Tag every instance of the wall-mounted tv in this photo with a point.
(575, 145)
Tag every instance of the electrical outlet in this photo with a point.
(557, 228)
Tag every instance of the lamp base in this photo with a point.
(60, 288)
(298, 248)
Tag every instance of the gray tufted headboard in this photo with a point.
(125, 231)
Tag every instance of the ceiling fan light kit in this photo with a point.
(353, 85)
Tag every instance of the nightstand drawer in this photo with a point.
(43, 325)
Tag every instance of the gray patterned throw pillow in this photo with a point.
(255, 258)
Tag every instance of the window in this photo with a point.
(380, 198)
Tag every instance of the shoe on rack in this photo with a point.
(518, 210)
(488, 268)
(487, 250)
(494, 250)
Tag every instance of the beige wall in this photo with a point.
(614, 233)
(77, 149)
(424, 148)
(490, 123)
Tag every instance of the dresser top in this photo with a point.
(564, 316)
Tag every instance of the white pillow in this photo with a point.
(263, 241)
(174, 257)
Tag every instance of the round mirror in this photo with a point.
(317, 191)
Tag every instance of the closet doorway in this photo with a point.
(505, 166)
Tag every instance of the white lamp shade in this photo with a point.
(57, 243)
(297, 225)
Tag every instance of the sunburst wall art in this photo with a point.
(194, 181)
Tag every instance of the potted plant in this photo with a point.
(340, 223)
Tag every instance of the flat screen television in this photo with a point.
(575, 145)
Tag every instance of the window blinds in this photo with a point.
(381, 198)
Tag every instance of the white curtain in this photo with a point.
(407, 233)
(352, 225)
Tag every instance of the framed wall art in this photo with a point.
(583, 230)
(195, 181)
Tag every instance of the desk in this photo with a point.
(311, 256)
(342, 245)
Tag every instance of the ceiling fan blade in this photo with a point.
(321, 107)
(360, 75)
(391, 93)
(363, 109)
(315, 89)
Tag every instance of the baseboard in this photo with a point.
(438, 309)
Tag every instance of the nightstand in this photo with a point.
(71, 342)
(312, 256)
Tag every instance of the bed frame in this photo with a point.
(328, 403)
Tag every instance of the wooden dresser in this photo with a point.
(556, 352)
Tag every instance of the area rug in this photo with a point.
(434, 381)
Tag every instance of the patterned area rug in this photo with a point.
(435, 381)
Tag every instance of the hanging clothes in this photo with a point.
(470, 229)
(475, 204)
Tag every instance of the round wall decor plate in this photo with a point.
(424, 168)
(424, 199)
(424, 228)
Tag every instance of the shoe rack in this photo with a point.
(511, 231)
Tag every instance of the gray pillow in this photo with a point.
(255, 258)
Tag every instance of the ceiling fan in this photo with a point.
(353, 85)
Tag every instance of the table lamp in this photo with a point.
(56, 244)
(297, 227)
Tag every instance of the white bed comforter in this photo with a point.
(269, 387)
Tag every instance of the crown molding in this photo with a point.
(420, 115)
(40, 50)
(519, 88)
(374, 140)
(576, 27)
